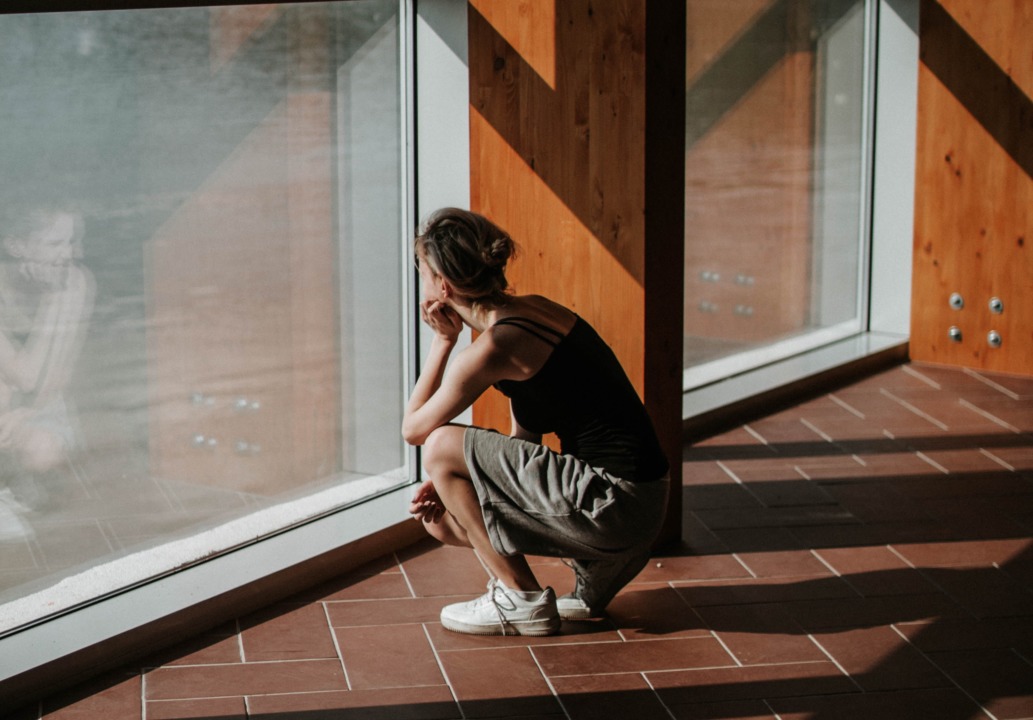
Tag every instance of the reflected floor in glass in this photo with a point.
(87, 511)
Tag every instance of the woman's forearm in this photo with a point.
(428, 382)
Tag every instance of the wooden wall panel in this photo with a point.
(589, 184)
(974, 185)
(545, 163)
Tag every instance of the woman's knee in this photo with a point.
(443, 451)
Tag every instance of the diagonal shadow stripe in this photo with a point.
(978, 82)
(786, 27)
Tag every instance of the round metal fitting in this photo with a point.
(956, 301)
(996, 306)
(994, 338)
(954, 333)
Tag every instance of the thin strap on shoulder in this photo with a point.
(539, 330)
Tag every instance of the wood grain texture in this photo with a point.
(586, 172)
(974, 189)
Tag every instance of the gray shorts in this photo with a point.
(538, 502)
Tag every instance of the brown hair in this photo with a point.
(470, 252)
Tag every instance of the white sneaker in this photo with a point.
(571, 607)
(502, 611)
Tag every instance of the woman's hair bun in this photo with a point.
(497, 252)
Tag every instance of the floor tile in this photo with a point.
(609, 696)
(498, 682)
(880, 659)
(939, 703)
(391, 611)
(415, 703)
(999, 680)
(228, 708)
(381, 657)
(759, 682)
(970, 634)
(763, 590)
(434, 569)
(633, 656)
(287, 632)
(982, 552)
(760, 634)
(730, 710)
(209, 681)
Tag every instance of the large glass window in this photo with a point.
(776, 191)
(201, 287)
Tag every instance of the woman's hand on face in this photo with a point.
(442, 319)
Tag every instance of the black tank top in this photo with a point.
(583, 395)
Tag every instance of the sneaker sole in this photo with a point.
(532, 628)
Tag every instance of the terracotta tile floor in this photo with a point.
(865, 554)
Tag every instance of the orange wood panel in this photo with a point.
(561, 168)
(586, 180)
(974, 185)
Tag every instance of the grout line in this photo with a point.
(859, 460)
(904, 559)
(888, 434)
(991, 383)
(996, 459)
(548, 681)
(834, 661)
(912, 408)
(728, 471)
(738, 662)
(337, 644)
(444, 675)
(659, 699)
(773, 712)
(405, 575)
(240, 639)
(824, 562)
(143, 695)
(744, 565)
(989, 416)
(849, 408)
(932, 462)
(915, 374)
(932, 662)
(755, 434)
(816, 430)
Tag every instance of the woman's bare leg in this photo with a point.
(445, 463)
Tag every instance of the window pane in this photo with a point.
(201, 292)
(774, 173)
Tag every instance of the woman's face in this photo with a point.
(430, 281)
(53, 243)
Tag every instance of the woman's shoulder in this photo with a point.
(540, 310)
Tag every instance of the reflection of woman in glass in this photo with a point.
(46, 298)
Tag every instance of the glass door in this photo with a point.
(776, 180)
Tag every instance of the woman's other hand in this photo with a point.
(426, 505)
